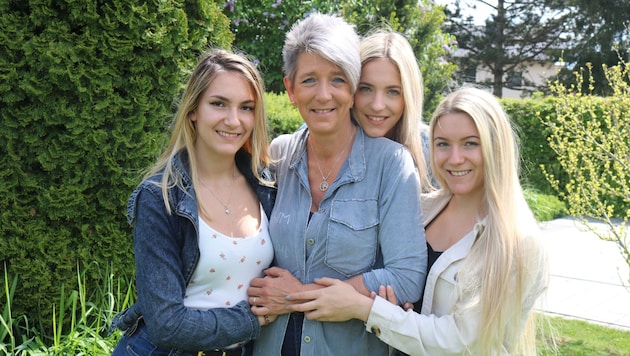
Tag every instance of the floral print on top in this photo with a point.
(227, 265)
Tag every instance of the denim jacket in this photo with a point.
(166, 253)
(369, 223)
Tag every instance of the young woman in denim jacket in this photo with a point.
(200, 217)
(348, 204)
(487, 263)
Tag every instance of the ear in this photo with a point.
(289, 86)
(192, 117)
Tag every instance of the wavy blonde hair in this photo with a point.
(393, 46)
(506, 270)
(184, 132)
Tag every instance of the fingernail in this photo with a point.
(288, 297)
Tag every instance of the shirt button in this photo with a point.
(307, 339)
(376, 331)
(311, 241)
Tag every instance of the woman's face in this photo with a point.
(321, 92)
(379, 102)
(225, 115)
(457, 154)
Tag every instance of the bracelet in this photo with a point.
(267, 322)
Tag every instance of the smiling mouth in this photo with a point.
(376, 118)
(227, 134)
(322, 111)
(459, 173)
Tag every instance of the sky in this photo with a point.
(481, 13)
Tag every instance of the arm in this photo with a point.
(161, 285)
(401, 231)
(337, 301)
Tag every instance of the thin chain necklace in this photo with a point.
(323, 186)
(226, 205)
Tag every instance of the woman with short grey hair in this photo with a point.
(348, 205)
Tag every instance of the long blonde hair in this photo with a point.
(393, 46)
(506, 267)
(184, 132)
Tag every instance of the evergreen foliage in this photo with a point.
(86, 94)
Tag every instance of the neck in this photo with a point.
(471, 204)
(330, 145)
(215, 167)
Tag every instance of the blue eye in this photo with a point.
(339, 80)
(217, 103)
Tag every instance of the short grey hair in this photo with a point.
(328, 36)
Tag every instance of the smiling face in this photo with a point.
(321, 92)
(379, 102)
(457, 154)
(225, 116)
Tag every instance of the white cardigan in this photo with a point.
(437, 331)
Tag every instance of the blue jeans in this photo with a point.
(138, 343)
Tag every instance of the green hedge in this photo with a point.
(526, 115)
(86, 94)
(281, 115)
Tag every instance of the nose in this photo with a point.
(231, 118)
(323, 92)
(456, 156)
(378, 102)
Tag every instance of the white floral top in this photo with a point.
(227, 265)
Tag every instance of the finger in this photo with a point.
(273, 271)
(327, 281)
(259, 310)
(301, 307)
(382, 292)
(391, 296)
(408, 306)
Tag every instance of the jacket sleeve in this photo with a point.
(419, 334)
(161, 285)
(401, 233)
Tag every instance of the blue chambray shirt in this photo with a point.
(369, 223)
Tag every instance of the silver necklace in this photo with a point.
(323, 186)
(226, 205)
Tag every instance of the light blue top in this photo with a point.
(369, 223)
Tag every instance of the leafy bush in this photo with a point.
(545, 207)
(282, 116)
(86, 91)
(533, 135)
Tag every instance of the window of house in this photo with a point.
(514, 79)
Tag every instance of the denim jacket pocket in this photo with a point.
(352, 239)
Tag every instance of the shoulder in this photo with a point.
(433, 202)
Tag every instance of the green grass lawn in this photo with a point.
(577, 337)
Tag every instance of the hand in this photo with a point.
(338, 301)
(265, 320)
(267, 295)
(388, 294)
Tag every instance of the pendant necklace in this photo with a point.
(226, 205)
(323, 186)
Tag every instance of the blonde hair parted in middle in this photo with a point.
(184, 132)
(394, 47)
(507, 260)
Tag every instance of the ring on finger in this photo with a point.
(254, 300)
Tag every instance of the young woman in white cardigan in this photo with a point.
(487, 265)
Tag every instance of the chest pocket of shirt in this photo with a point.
(352, 241)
